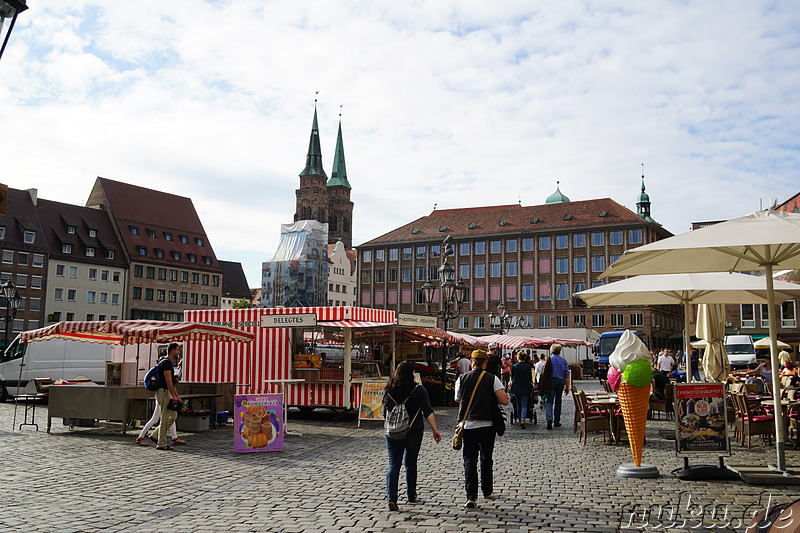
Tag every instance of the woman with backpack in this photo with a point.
(402, 393)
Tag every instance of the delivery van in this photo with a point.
(741, 351)
(54, 359)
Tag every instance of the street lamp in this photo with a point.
(452, 296)
(501, 322)
(12, 304)
(9, 9)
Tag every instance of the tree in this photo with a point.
(243, 303)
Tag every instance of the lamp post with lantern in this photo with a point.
(13, 300)
(9, 9)
(451, 297)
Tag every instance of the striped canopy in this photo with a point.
(135, 332)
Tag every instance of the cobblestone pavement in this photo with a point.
(332, 479)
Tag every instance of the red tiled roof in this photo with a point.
(513, 219)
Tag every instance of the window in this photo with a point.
(527, 244)
(173, 296)
(544, 321)
(463, 322)
(91, 297)
(176, 255)
(612, 258)
(192, 258)
(134, 230)
(494, 293)
(148, 294)
(36, 282)
(764, 316)
(478, 322)
(199, 242)
(405, 274)
(544, 243)
(495, 247)
(58, 294)
(92, 233)
(422, 251)
(366, 257)
(71, 295)
(29, 237)
(617, 320)
(598, 263)
(464, 248)
(167, 236)
(93, 274)
(150, 272)
(184, 239)
(2, 233)
(598, 321)
(579, 265)
(214, 301)
(544, 291)
(110, 254)
(562, 321)
(528, 293)
(159, 252)
(184, 276)
(141, 250)
(34, 304)
(788, 315)
(562, 242)
(137, 293)
(579, 286)
(103, 297)
(38, 260)
(407, 252)
(511, 268)
(60, 270)
(480, 247)
(580, 321)
(379, 273)
(562, 291)
(215, 281)
(90, 251)
(420, 298)
(435, 250)
(8, 257)
(70, 316)
(161, 295)
(184, 297)
(115, 276)
(204, 299)
(205, 278)
(379, 255)
(579, 240)
(615, 237)
(73, 272)
(22, 280)
(115, 299)
(393, 254)
(66, 248)
(494, 269)
(511, 245)
(104, 275)
(421, 276)
(366, 277)
(597, 283)
(637, 320)
(544, 265)
(598, 239)
(480, 270)
(22, 258)
(634, 236)
(562, 265)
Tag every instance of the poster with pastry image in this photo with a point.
(371, 400)
(258, 423)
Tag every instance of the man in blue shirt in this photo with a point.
(559, 381)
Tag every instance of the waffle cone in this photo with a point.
(635, 402)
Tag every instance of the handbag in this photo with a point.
(499, 420)
(458, 433)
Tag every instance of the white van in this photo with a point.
(741, 351)
(54, 359)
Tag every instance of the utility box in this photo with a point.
(194, 422)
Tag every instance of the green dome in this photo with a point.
(643, 196)
(557, 197)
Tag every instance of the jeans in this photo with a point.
(478, 443)
(521, 403)
(556, 390)
(396, 448)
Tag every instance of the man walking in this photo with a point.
(559, 381)
(665, 362)
(479, 392)
(166, 393)
(495, 363)
(463, 364)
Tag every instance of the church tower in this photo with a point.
(340, 211)
(312, 196)
(643, 204)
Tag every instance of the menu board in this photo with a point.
(371, 400)
(700, 417)
(258, 423)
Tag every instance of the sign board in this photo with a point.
(701, 418)
(258, 423)
(371, 400)
(288, 321)
(419, 321)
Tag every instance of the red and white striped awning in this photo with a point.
(135, 332)
(354, 324)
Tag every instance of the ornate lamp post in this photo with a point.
(9, 9)
(500, 323)
(13, 300)
(451, 297)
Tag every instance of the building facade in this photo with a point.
(234, 284)
(531, 259)
(342, 279)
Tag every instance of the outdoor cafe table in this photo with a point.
(610, 404)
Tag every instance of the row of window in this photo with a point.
(160, 253)
(21, 280)
(548, 242)
(162, 295)
(90, 251)
(18, 325)
(151, 272)
(636, 320)
(337, 287)
(787, 315)
(70, 315)
(60, 293)
(29, 303)
(29, 237)
(152, 234)
(92, 274)
(23, 258)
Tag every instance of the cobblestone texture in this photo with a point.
(332, 479)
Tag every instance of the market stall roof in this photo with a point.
(354, 324)
(135, 332)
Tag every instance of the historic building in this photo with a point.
(530, 258)
(234, 284)
(342, 279)
(172, 264)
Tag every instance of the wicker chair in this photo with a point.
(594, 418)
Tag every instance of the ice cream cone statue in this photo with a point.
(630, 376)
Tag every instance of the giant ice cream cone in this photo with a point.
(635, 402)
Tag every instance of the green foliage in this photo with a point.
(244, 303)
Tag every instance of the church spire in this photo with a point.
(643, 202)
(314, 157)
(339, 172)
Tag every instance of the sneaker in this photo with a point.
(549, 424)
(489, 496)
(470, 504)
(393, 506)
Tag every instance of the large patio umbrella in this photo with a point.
(711, 327)
(764, 240)
(766, 343)
(686, 289)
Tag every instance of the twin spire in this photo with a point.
(314, 158)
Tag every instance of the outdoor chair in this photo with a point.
(594, 418)
(606, 385)
(577, 417)
(666, 406)
(754, 421)
(793, 418)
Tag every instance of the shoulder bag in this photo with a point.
(458, 434)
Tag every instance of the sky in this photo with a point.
(442, 103)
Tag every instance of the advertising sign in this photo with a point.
(420, 321)
(701, 418)
(289, 321)
(371, 400)
(257, 423)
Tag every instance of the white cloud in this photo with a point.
(455, 103)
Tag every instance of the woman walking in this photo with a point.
(402, 388)
(521, 386)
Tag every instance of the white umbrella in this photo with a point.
(686, 289)
(700, 344)
(711, 327)
(765, 343)
(764, 240)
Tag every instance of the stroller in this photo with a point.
(533, 400)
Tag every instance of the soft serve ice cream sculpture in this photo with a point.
(630, 375)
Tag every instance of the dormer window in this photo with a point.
(198, 241)
(176, 255)
(159, 253)
(93, 233)
(89, 251)
(110, 254)
(167, 236)
(29, 237)
(134, 230)
(71, 230)
(184, 239)
(192, 258)
(151, 233)
(66, 248)
(2, 233)
(141, 250)
(207, 260)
